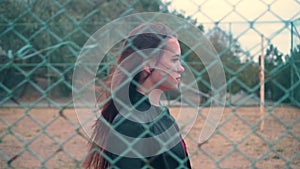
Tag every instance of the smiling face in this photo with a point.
(168, 68)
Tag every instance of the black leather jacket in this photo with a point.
(170, 154)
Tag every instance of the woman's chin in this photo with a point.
(173, 87)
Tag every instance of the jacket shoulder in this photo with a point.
(127, 127)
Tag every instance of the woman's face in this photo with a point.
(168, 69)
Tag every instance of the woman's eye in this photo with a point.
(175, 60)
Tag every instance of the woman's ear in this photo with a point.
(149, 66)
(147, 69)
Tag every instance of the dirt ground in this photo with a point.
(48, 138)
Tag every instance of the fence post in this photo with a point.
(262, 84)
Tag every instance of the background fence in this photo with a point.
(39, 44)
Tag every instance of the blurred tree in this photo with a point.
(51, 32)
(277, 74)
(230, 52)
(188, 19)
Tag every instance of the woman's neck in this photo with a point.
(153, 95)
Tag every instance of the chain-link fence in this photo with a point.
(41, 40)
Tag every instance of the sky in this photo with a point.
(271, 18)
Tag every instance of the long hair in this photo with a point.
(145, 36)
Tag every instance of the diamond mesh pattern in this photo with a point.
(39, 44)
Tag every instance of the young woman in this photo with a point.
(142, 133)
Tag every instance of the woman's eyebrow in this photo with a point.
(176, 55)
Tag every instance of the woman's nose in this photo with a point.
(180, 69)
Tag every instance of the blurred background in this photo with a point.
(41, 40)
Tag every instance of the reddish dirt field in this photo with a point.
(46, 138)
